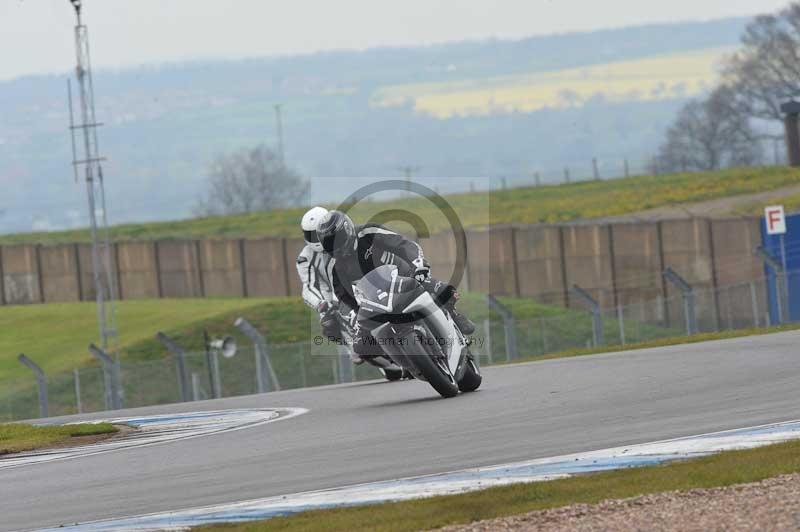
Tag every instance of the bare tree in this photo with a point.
(709, 134)
(251, 180)
(766, 71)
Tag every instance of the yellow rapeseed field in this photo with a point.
(651, 78)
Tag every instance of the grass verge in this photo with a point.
(526, 205)
(725, 469)
(56, 335)
(18, 437)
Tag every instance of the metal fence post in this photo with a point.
(621, 323)
(594, 308)
(212, 361)
(508, 326)
(263, 364)
(689, 302)
(111, 378)
(781, 286)
(545, 347)
(41, 382)
(180, 355)
(76, 377)
(196, 388)
(487, 332)
(345, 370)
(754, 303)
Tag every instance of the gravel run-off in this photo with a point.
(771, 504)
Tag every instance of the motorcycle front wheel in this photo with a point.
(433, 366)
(472, 378)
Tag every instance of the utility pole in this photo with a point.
(409, 171)
(279, 126)
(776, 149)
(104, 282)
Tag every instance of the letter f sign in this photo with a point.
(775, 219)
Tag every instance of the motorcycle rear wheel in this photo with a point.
(433, 366)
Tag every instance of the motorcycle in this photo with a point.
(416, 333)
(391, 371)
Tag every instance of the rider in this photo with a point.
(312, 267)
(357, 250)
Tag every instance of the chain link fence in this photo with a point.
(304, 364)
(734, 307)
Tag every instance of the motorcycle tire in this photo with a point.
(472, 378)
(433, 366)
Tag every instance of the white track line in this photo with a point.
(160, 429)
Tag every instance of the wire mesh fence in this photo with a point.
(735, 307)
(304, 364)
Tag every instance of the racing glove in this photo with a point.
(328, 320)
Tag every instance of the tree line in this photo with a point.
(728, 126)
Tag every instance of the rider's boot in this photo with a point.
(464, 324)
(447, 296)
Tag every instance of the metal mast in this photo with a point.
(279, 128)
(91, 162)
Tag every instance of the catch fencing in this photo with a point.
(500, 337)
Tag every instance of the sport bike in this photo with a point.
(415, 332)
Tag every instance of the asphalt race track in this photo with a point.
(377, 431)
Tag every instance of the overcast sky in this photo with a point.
(36, 35)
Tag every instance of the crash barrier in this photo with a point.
(617, 264)
(304, 364)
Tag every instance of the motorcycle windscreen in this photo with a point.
(378, 289)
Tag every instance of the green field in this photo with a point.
(546, 204)
(57, 335)
(725, 469)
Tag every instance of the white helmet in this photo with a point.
(309, 224)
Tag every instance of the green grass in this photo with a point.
(790, 202)
(549, 204)
(725, 469)
(56, 335)
(17, 437)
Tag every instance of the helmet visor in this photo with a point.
(327, 243)
(311, 237)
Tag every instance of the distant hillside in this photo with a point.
(606, 94)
